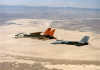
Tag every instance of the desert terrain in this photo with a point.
(70, 23)
(33, 54)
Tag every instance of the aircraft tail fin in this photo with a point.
(47, 32)
(85, 39)
(52, 32)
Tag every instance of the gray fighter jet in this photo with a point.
(82, 42)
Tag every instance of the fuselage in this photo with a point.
(48, 34)
(69, 42)
(24, 35)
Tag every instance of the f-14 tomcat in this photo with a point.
(48, 34)
(82, 42)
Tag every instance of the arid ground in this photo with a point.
(34, 54)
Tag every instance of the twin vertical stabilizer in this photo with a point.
(49, 32)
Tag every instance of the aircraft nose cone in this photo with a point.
(53, 43)
(14, 36)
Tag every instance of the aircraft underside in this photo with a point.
(75, 43)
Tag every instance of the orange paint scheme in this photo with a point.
(47, 32)
(52, 32)
(36, 33)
